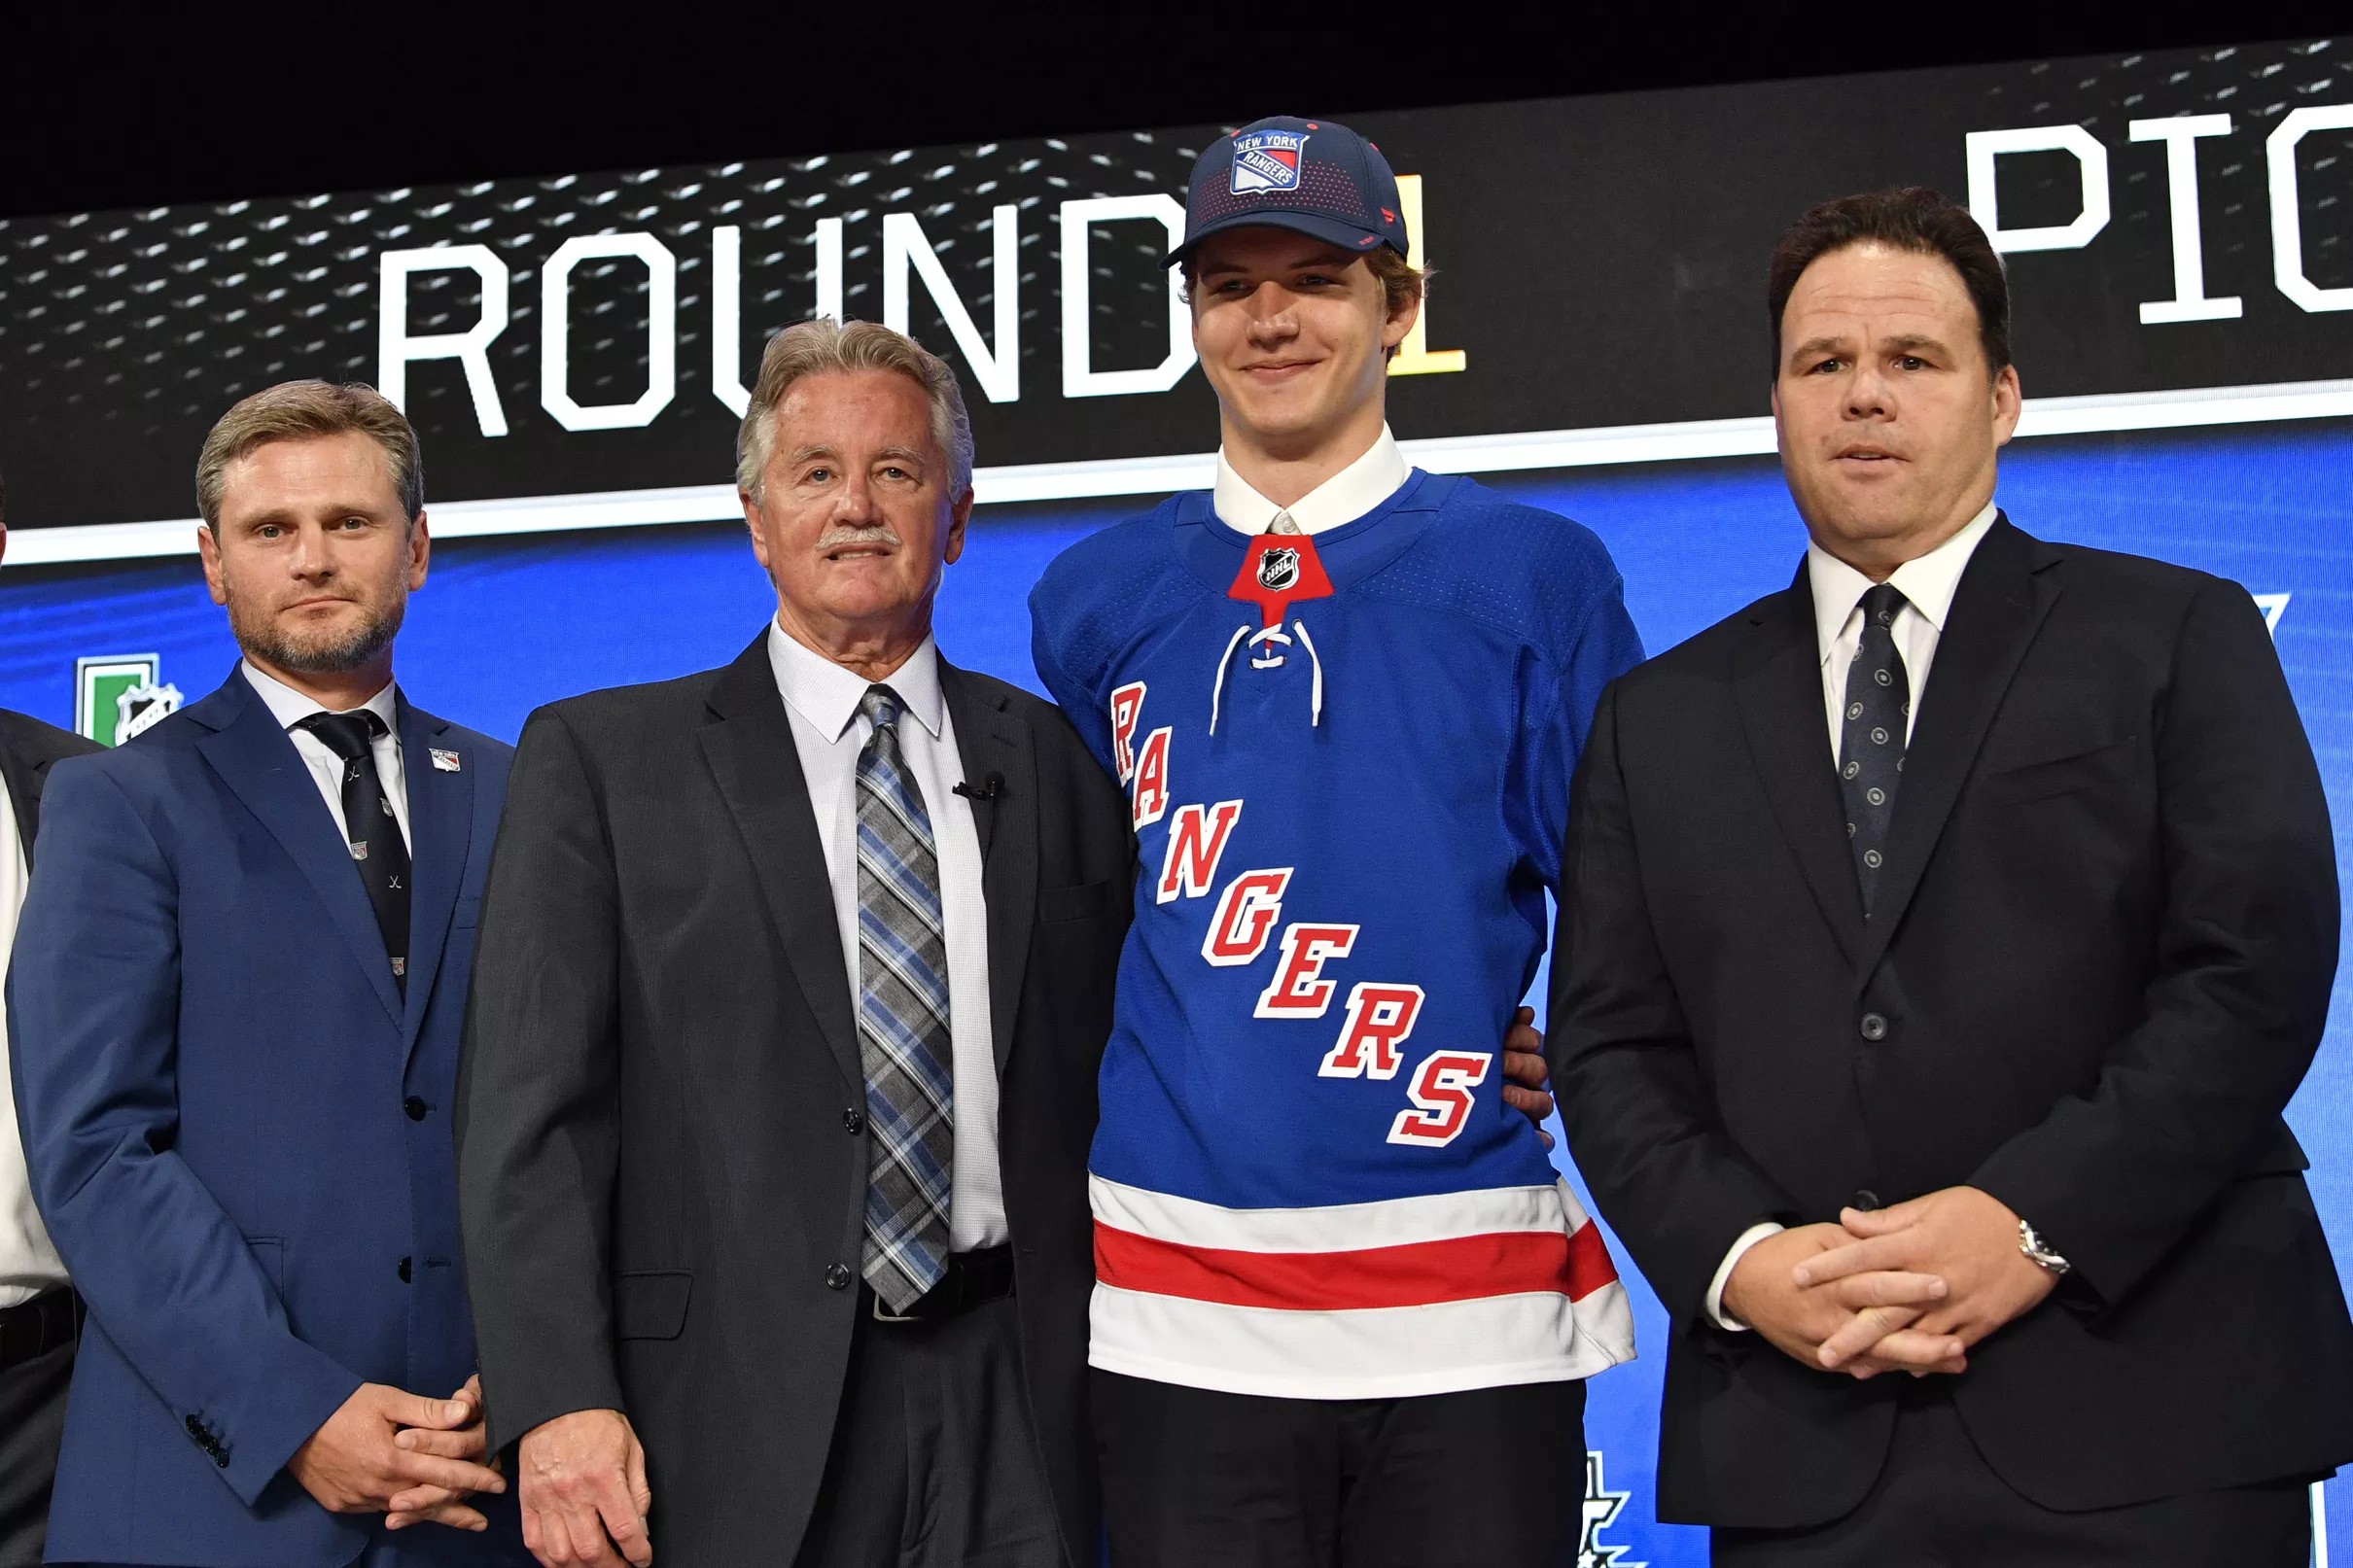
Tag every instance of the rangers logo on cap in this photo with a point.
(1267, 160)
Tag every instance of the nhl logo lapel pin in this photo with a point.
(445, 761)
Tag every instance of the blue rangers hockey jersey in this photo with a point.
(1349, 759)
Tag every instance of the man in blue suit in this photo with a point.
(235, 1017)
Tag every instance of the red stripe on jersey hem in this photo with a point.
(1421, 1273)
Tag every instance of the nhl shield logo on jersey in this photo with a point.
(1279, 568)
(1267, 160)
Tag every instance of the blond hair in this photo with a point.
(298, 411)
(815, 347)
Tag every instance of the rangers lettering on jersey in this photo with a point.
(1379, 1020)
(1305, 1182)
(1246, 912)
(1298, 989)
(1196, 844)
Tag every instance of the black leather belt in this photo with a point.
(39, 1326)
(972, 1279)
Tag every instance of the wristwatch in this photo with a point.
(2040, 1255)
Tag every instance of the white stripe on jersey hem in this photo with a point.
(1387, 1352)
(1338, 1228)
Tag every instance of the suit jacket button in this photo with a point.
(838, 1277)
(854, 1121)
(1874, 1026)
(415, 1107)
(403, 1270)
(196, 1429)
(1865, 1199)
(219, 1458)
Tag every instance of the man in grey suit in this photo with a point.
(775, 1201)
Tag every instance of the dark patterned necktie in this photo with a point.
(1871, 735)
(902, 1018)
(376, 846)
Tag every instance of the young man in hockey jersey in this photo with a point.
(1341, 1293)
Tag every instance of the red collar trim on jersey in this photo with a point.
(1278, 570)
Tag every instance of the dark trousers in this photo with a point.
(1937, 1504)
(934, 1461)
(1491, 1477)
(33, 1381)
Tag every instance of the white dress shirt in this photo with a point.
(1927, 583)
(821, 698)
(29, 1265)
(1341, 498)
(288, 707)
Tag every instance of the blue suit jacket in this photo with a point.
(239, 1131)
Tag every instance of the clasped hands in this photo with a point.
(415, 1459)
(1910, 1288)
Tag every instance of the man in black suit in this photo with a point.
(40, 1316)
(798, 1181)
(1957, 1046)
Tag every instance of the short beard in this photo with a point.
(336, 655)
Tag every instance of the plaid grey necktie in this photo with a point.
(1871, 735)
(902, 1018)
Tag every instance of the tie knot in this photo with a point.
(882, 707)
(1882, 605)
(346, 735)
(1283, 523)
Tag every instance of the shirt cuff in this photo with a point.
(1740, 1249)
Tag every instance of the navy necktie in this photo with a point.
(375, 833)
(1871, 736)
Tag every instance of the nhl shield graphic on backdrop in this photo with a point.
(117, 696)
(1267, 160)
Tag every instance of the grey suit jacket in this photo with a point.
(661, 1187)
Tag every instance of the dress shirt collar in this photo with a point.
(1927, 583)
(826, 695)
(290, 707)
(1343, 497)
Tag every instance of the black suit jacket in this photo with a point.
(2098, 966)
(655, 1177)
(28, 746)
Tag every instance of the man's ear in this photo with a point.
(208, 551)
(959, 513)
(420, 553)
(1401, 322)
(2009, 402)
(759, 540)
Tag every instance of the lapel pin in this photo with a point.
(447, 761)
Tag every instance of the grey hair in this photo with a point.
(814, 347)
(296, 410)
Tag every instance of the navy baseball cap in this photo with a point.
(1314, 176)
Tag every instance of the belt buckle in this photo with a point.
(883, 1314)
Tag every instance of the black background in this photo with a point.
(1601, 256)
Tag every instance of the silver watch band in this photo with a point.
(2038, 1254)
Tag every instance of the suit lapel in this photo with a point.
(1996, 610)
(259, 763)
(753, 759)
(440, 831)
(1779, 691)
(991, 738)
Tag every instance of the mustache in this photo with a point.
(839, 537)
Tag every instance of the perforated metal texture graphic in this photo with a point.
(1601, 263)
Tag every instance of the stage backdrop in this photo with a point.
(573, 350)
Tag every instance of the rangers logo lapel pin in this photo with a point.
(445, 761)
